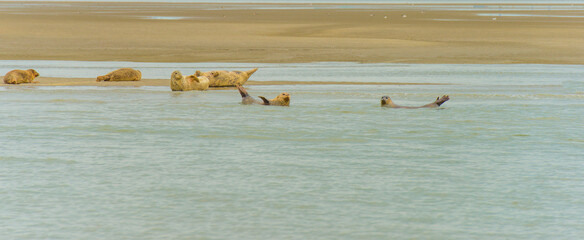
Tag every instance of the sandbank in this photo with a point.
(288, 33)
(51, 81)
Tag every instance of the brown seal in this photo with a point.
(281, 100)
(178, 82)
(225, 78)
(387, 102)
(21, 76)
(122, 74)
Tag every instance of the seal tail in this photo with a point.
(266, 101)
(250, 72)
(242, 91)
(9, 80)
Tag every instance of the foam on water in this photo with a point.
(501, 159)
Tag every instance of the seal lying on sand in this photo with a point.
(21, 76)
(225, 78)
(281, 100)
(386, 102)
(178, 82)
(122, 74)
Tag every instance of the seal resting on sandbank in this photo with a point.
(226, 78)
(178, 82)
(21, 76)
(387, 102)
(281, 100)
(122, 74)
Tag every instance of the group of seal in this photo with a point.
(202, 81)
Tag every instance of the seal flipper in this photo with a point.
(250, 72)
(193, 78)
(266, 101)
(439, 101)
(242, 91)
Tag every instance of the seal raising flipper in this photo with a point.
(281, 100)
(387, 102)
(178, 82)
(439, 101)
(245, 97)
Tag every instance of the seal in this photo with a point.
(387, 102)
(226, 78)
(281, 100)
(122, 74)
(21, 76)
(178, 82)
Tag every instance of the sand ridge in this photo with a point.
(54, 81)
(208, 32)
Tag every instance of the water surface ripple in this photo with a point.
(500, 160)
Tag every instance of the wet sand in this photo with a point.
(285, 33)
(179, 32)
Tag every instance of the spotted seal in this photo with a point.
(387, 102)
(21, 76)
(226, 78)
(122, 74)
(281, 100)
(178, 82)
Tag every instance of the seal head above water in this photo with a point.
(387, 102)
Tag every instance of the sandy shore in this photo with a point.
(165, 32)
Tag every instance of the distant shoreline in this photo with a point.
(233, 32)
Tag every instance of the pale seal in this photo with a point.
(281, 100)
(122, 74)
(178, 82)
(387, 102)
(226, 78)
(21, 76)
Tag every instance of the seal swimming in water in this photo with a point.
(387, 102)
(281, 100)
(122, 74)
(21, 76)
(226, 78)
(178, 82)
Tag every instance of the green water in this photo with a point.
(501, 160)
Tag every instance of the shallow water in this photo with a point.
(501, 160)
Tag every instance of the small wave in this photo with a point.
(574, 85)
(45, 160)
(522, 96)
(576, 140)
(75, 101)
